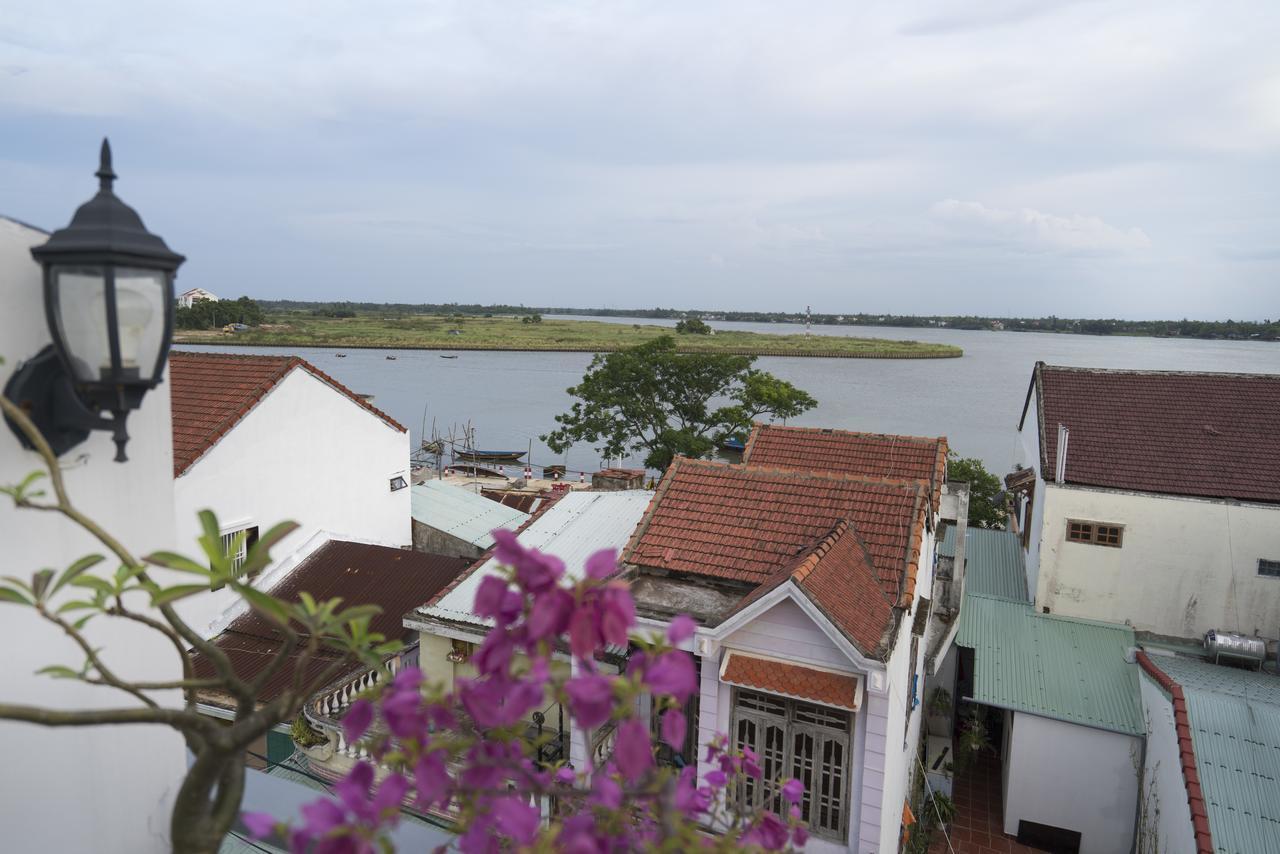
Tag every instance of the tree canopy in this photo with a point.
(651, 399)
(693, 326)
(212, 314)
(986, 504)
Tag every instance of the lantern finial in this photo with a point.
(105, 174)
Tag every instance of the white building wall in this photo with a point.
(1073, 777)
(1186, 565)
(1027, 455)
(63, 788)
(307, 453)
(1167, 826)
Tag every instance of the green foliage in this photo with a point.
(211, 314)
(986, 506)
(528, 318)
(693, 326)
(303, 735)
(651, 399)
(940, 701)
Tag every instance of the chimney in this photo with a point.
(1060, 464)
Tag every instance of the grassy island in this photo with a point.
(442, 332)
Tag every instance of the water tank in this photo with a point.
(1228, 645)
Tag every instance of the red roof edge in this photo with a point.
(1186, 753)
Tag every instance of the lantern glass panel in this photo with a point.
(80, 312)
(140, 307)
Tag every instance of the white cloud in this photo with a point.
(1074, 233)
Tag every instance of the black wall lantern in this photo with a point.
(108, 300)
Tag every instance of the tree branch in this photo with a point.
(177, 718)
(108, 677)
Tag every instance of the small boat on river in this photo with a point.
(341, 355)
(447, 356)
(391, 358)
(472, 470)
(473, 455)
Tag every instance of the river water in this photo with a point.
(512, 398)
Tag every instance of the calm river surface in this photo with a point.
(512, 398)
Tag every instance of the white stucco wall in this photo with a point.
(1167, 824)
(308, 453)
(1074, 777)
(1027, 455)
(1186, 565)
(104, 789)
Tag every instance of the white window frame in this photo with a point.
(238, 559)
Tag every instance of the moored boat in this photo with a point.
(478, 456)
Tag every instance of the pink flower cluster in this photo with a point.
(467, 755)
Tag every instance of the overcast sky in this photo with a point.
(1026, 158)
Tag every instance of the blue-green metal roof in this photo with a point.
(1235, 733)
(1056, 667)
(462, 513)
(994, 562)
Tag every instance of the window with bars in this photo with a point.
(1269, 568)
(801, 740)
(236, 544)
(688, 752)
(1095, 533)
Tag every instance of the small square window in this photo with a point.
(1080, 532)
(398, 483)
(1095, 533)
(236, 545)
(1269, 568)
(1107, 535)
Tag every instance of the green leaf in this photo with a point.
(175, 561)
(75, 605)
(80, 623)
(357, 613)
(172, 594)
(93, 582)
(388, 648)
(259, 554)
(268, 606)
(10, 595)
(57, 671)
(76, 569)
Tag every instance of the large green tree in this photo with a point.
(986, 501)
(651, 399)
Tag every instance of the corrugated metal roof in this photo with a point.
(461, 513)
(575, 527)
(994, 562)
(1235, 731)
(1056, 667)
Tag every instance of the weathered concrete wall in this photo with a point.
(433, 541)
(1167, 823)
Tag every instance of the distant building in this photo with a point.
(195, 295)
(611, 479)
(1152, 498)
(453, 520)
(266, 439)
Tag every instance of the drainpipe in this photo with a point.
(1060, 464)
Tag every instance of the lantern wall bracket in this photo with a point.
(44, 390)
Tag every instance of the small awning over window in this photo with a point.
(817, 685)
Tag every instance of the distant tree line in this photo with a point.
(214, 314)
(1266, 330)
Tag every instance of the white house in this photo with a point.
(63, 790)
(195, 295)
(264, 439)
(1152, 498)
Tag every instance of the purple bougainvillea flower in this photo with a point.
(751, 769)
(681, 629)
(617, 613)
(479, 839)
(494, 654)
(584, 634)
(672, 673)
(602, 564)
(320, 817)
(431, 779)
(578, 836)
(689, 799)
(507, 548)
(605, 791)
(717, 778)
(357, 719)
(353, 789)
(633, 751)
(490, 596)
(674, 727)
(390, 797)
(590, 699)
(565, 775)
(516, 820)
(793, 790)
(771, 832)
(549, 616)
(408, 679)
(259, 824)
(403, 714)
(538, 572)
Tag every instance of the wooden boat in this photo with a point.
(732, 444)
(473, 455)
(447, 356)
(553, 472)
(391, 358)
(341, 355)
(472, 470)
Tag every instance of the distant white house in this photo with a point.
(188, 298)
(1152, 498)
(265, 439)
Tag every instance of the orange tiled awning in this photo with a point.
(825, 687)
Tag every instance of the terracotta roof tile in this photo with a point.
(851, 453)
(743, 523)
(210, 392)
(1204, 434)
(792, 680)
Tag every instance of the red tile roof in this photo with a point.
(745, 523)
(848, 452)
(792, 680)
(1186, 751)
(1204, 434)
(396, 580)
(210, 393)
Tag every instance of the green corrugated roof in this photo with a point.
(1235, 730)
(462, 513)
(994, 562)
(1056, 667)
